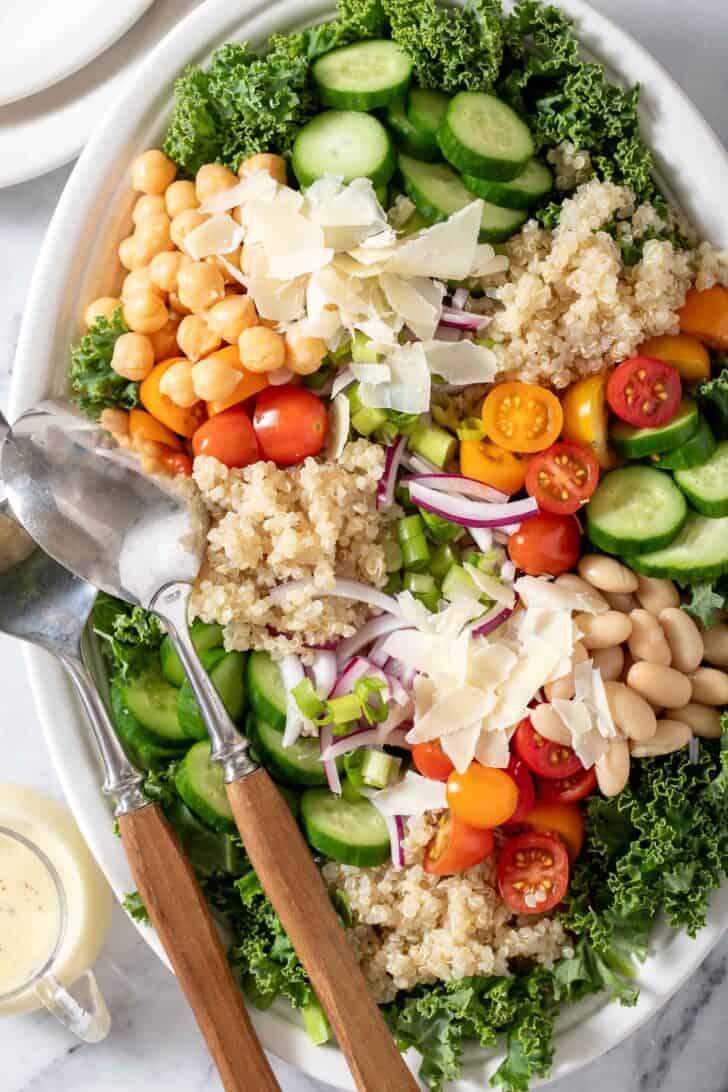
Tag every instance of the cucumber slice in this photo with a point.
(362, 76)
(153, 701)
(141, 747)
(635, 509)
(266, 690)
(426, 109)
(635, 443)
(199, 782)
(226, 671)
(438, 192)
(205, 635)
(481, 135)
(299, 764)
(706, 486)
(346, 144)
(350, 831)
(528, 187)
(417, 144)
(698, 554)
(694, 452)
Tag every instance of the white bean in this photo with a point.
(607, 574)
(660, 685)
(612, 769)
(710, 686)
(703, 719)
(623, 601)
(573, 583)
(603, 630)
(565, 686)
(549, 724)
(671, 735)
(683, 637)
(647, 641)
(715, 641)
(655, 594)
(630, 712)
(609, 662)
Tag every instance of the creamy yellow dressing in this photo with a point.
(30, 914)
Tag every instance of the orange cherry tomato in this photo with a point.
(705, 316)
(178, 462)
(492, 465)
(522, 417)
(456, 846)
(565, 820)
(482, 796)
(431, 761)
(687, 355)
(228, 437)
(533, 872)
(250, 383)
(546, 545)
(563, 477)
(185, 422)
(567, 790)
(142, 426)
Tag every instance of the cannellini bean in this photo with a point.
(103, 307)
(703, 719)
(549, 724)
(612, 769)
(671, 735)
(603, 630)
(660, 685)
(573, 583)
(623, 601)
(710, 686)
(275, 165)
(609, 662)
(607, 574)
(715, 642)
(647, 641)
(152, 172)
(683, 637)
(213, 178)
(630, 712)
(654, 594)
(565, 686)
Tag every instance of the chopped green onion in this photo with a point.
(442, 560)
(392, 555)
(350, 790)
(352, 768)
(307, 700)
(458, 582)
(343, 350)
(364, 689)
(394, 583)
(410, 527)
(471, 428)
(362, 349)
(442, 530)
(344, 709)
(419, 583)
(366, 420)
(430, 599)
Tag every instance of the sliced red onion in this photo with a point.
(395, 828)
(388, 480)
(500, 536)
(376, 654)
(370, 631)
(324, 673)
(357, 669)
(332, 774)
(445, 332)
(461, 320)
(494, 618)
(403, 672)
(460, 298)
(342, 380)
(457, 483)
(342, 589)
(418, 465)
(470, 513)
(397, 692)
(483, 538)
(354, 741)
(292, 673)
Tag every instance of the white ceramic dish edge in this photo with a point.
(89, 217)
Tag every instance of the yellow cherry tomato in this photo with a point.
(142, 426)
(250, 383)
(492, 465)
(183, 421)
(686, 354)
(565, 820)
(522, 417)
(482, 796)
(586, 417)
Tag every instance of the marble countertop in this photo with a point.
(154, 1039)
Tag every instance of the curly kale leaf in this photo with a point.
(712, 395)
(705, 603)
(264, 955)
(135, 908)
(129, 634)
(95, 386)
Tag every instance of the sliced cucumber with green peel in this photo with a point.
(209, 851)
(698, 554)
(410, 139)
(299, 764)
(350, 831)
(143, 749)
(205, 635)
(199, 782)
(523, 191)
(635, 509)
(635, 443)
(346, 144)
(266, 691)
(438, 192)
(426, 109)
(694, 452)
(706, 486)
(481, 135)
(153, 701)
(226, 671)
(362, 76)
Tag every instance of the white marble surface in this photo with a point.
(154, 1041)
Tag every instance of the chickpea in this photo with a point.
(128, 255)
(261, 349)
(177, 384)
(603, 630)
(274, 165)
(612, 769)
(195, 338)
(152, 237)
(148, 204)
(152, 172)
(634, 716)
(164, 268)
(133, 357)
(136, 282)
(199, 285)
(115, 421)
(609, 662)
(145, 313)
(671, 735)
(176, 305)
(214, 379)
(660, 685)
(304, 354)
(710, 686)
(231, 316)
(180, 197)
(654, 594)
(232, 258)
(715, 643)
(647, 640)
(704, 720)
(164, 341)
(607, 574)
(549, 724)
(103, 307)
(183, 224)
(213, 178)
(683, 637)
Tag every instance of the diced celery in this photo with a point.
(362, 349)
(458, 582)
(433, 443)
(378, 768)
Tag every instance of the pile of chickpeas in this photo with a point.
(662, 673)
(175, 306)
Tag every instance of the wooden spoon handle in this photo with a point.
(181, 917)
(294, 886)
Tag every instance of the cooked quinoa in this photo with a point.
(412, 928)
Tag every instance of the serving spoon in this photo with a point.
(143, 540)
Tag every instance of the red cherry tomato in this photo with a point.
(176, 462)
(644, 391)
(431, 761)
(290, 423)
(545, 545)
(567, 790)
(562, 478)
(228, 437)
(533, 872)
(518, 770)
(543, 757)
(457, 846)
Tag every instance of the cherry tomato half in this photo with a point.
(543, 757)
(644, 391)
(518, 770)
(290, 423)
(177, 462)
(562, 478)
(565, 820)
(228, 437)
(533, 872)
(431, 760)
(492, 465)
(546, 545)
(482, 796)
(456, 846)
(567, 790)
(522, 417)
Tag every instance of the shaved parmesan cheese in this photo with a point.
(461, 362)
(534, 667)
(449, 713)
(445, 250)
(460, 746)
(256, 186)
(489, 664)
(417, 299)
(371, 373)
(400, 211)
(491, 586)
(408, 390)
(588, 744)
(348, 214)
(273, 300)
(344, 263)
(294, 246)
(413, 795)
(218, 235)
(338, 430)
(487, 262)
(536, 591)
(492, 749)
